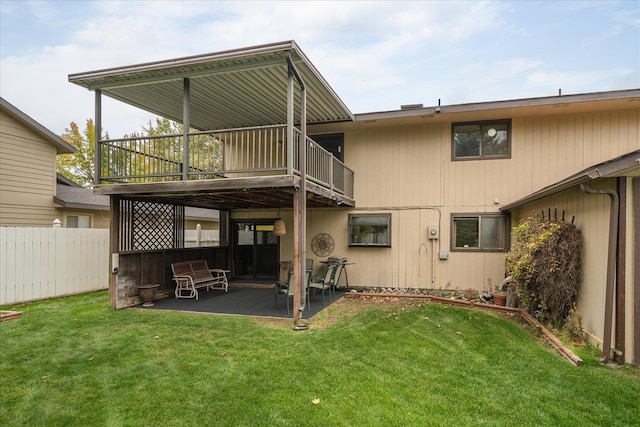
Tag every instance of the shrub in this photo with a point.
(544, 260)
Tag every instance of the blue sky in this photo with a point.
(375, 55)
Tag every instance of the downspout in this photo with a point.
(300, 257)
(611, 266)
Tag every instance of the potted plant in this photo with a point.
(499, 296)
(148, 294)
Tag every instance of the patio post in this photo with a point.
(98, 135)
(300, 199)
(186, 124)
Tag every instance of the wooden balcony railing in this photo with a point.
(247, 152)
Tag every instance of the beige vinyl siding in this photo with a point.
(548, 149)
(407, 171)
(27, 176)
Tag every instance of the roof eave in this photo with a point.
(499, 105)
(61, 146)
(83, 79)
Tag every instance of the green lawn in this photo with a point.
(75, 362)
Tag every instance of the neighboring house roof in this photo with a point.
(71, 195)
(79, 198)
(626, 165)
(61, 145)
(236, 88)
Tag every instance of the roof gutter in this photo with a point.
(611, 266)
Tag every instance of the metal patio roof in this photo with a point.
(230, 89)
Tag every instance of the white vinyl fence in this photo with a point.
(200, 237)
(39, 263)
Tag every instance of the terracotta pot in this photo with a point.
(148, 294)
(500, 298)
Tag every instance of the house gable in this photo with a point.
(27, 169)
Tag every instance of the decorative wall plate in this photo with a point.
(322, 244)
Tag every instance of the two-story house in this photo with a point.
(419, 197)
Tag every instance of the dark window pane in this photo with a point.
(466, 141)
(495, 141)
(72, 221)
(466, 232)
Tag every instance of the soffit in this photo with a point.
(230, 89)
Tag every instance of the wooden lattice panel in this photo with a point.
(148, 226)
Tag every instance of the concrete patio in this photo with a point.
(243, 299)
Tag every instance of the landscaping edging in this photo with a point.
(563, 350)
(6, 315)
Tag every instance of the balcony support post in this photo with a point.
(97, 136)
(290, 127)
(300, 199)
(186, 124)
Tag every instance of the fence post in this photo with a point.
(57, 223)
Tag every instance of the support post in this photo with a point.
(300, 198)
(186, 124)
(97, 136)
(114, 248)
(290, 118)
(297, 311)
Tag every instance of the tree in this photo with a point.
(79, 167)
(157, 150)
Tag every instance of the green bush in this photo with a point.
(545, 261)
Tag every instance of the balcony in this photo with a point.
(245, 158)
(250, 107)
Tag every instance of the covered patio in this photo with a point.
(245, 300)
(244, 147)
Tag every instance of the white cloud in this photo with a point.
(376, 55)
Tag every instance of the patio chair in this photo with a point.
(324, 283)
(336, 277)
(282, 288)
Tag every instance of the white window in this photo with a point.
(78, 221)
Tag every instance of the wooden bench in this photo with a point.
(193, 275)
